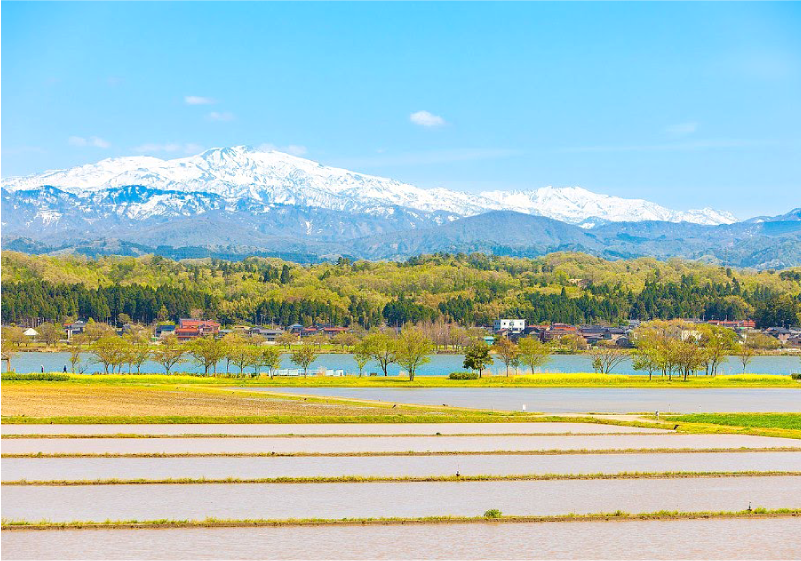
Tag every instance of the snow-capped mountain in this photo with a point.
(579, 206)
(243, 179)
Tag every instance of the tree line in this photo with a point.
(464, 289)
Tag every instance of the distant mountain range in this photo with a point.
(236, 201)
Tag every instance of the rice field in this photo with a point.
(208, 465)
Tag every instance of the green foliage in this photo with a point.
(467, 289)
(463, 376)
(303, 356)
(477, 357)
(493, 513)
(412, 350)
(533, 353)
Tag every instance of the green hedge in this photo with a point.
(463, 376)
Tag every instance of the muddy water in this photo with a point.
(395, 444)
(698, 539)
(579, 400)
(48, 469)
(339, 428)
(346, 500)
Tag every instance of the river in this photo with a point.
(440, 365)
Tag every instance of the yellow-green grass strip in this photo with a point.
(789, 421)
(572, 379)
(549, 452)
(618, 515)
(402, 479)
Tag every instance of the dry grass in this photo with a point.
(64, 400)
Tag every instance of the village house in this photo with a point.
(164, 329)
(74, 328)
(189, 329)
(269, 335)
(557, 330)
(510, 325)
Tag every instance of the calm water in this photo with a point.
(578, 400)
(665, 539)
(440, 364)
(396, 444)
(346, 500)
(330, 429)
(49, 469)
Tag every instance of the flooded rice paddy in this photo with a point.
(398, 444)
(329, 429)
(578, 400)
(51, 469)
(670, 539)
(369, 500)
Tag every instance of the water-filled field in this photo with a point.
(396, 444)
(329, 429)
(370, 500)
(50, 469)
(669, 539)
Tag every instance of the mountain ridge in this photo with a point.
(267, 177)
(268, 203)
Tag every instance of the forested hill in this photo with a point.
(468, 289)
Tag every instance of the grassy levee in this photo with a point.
(401, 479)
(791, 421)
(548, 452)
(782, 425)
(617, 515)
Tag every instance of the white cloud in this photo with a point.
(171, 147)
(426, 119)
(681, 129)
(199, 100)
(293, 149)
(222, 116)
(93, 141)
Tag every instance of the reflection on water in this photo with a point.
(346, 500)
(668, 539)
(579, 400)
(340, 428)
(347, 444)
(49, 469)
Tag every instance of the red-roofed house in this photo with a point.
(193, 328)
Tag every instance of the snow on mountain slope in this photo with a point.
(575, 205)
(245, 177)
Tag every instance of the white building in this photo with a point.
(513, 325)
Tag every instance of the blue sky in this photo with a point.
(689, 105)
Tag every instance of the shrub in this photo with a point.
(463, 376)
(796, 376)
(493, 513)
(38, 377)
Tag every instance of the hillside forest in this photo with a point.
(469, 290)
